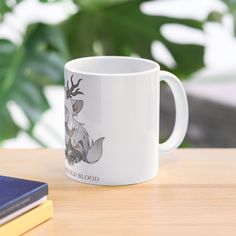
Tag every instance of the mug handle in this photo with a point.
(181, 111)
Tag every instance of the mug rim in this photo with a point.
(155, 66)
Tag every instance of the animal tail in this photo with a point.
(95, 151)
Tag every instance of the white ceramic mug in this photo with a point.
(112, 119)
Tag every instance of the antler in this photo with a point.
(74, 89)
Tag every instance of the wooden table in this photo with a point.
(194, 194)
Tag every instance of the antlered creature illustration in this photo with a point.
(78, 145)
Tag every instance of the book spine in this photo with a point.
(25, 200)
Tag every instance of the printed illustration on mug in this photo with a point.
(77, 140)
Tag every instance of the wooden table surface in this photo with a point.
(194, 194)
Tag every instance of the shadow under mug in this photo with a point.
(112, 119)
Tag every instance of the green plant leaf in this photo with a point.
(8, 128)
(122, 29)
(25, 70)
(4, 7)
(91, 5)
(232, 10)
(7, 6)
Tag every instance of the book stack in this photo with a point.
(23, 205)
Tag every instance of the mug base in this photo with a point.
(103, 183)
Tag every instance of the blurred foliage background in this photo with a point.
(96, 27)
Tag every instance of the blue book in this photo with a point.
(16, 194)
